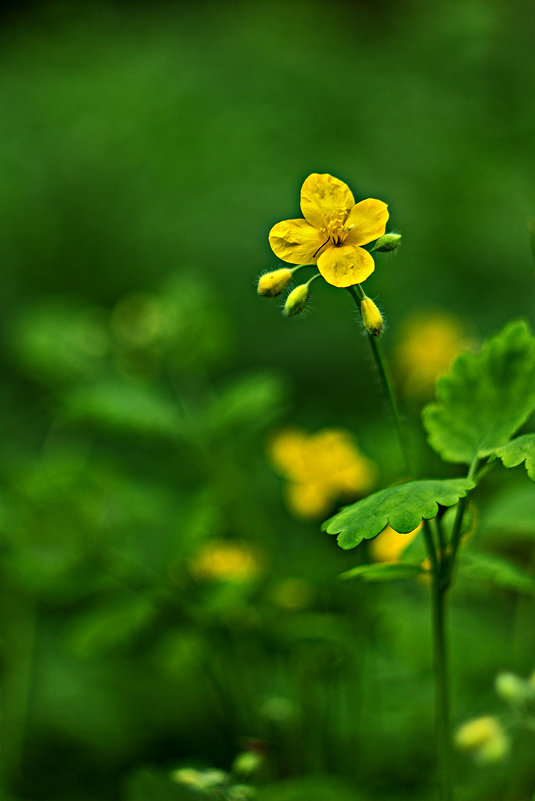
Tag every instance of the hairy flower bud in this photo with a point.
(371, 317)
(272, 284)
(387, 242)
(296, 301)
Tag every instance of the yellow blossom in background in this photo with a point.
(484, 737)
(223, 560)
(390, 544)
(332, 232)
(320, 468)
(428, 344)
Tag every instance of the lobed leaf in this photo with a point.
(384, 571)
(521, 449)
(402, 506)
(485, 397)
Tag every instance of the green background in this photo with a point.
(147, 149)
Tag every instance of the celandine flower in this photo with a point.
(332, 232)
(320, 467)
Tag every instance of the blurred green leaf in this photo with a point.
(109, 625)
(254, 399)
(126, 407)
(402, 506)
(511, 511)
(521, 449)
(497, 571)
(384, 571)
(58, 340)
(485, 397)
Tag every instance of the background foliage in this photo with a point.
(146, 152)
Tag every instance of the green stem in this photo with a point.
(440, 582)
(358, 294)
(458, 522)
(442, 700)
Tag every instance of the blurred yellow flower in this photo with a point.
(320, 467)
(427, 347)
(485, 737)
(389, 544)
(223, 560)
(332, 231)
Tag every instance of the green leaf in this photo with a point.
(384, 571)
(510, 513)
(402, 506)
(253, 400)
(521, 449)
(497, 571)
(485, 397)
(125, 406)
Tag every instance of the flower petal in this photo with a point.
(368, 218)
(295, 241)
(345, 265)
(308, 499)
(323, 193)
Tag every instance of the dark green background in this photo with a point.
(149, 148)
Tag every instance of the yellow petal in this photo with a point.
(295, 241)
(324, 193)
(368, 218)
(308, 500)
(288, 451)
(345, 265)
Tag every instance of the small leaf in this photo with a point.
(521, 449)
(384, 571)
(485, 397)
(497, 571)
(402, 506)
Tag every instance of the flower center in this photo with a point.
(333, 228)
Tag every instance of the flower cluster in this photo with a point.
(331, 235)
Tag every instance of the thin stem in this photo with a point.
(442, 700)
(458, 522)
(358, 294)
(437, 554)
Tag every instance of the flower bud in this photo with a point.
(371, 317)
(272, 284)
(513, 689)
(296, 301)
(387, 242)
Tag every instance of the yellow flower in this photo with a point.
(222, 560)
(320, 467)
(389, 544)
(485, 737)
(427, 347)
(333, 231)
